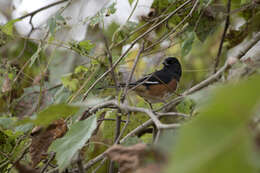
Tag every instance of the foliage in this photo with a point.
(74, 140)
(54, 94)
(221, 130)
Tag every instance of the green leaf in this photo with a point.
(111, 9)
(52, 25)
(187, 44)
(80, 69)
(99, 17)
(70, 83)
(130, 1)
(74, 140)
(55, 112)
(86, 46)
(6, 122)
(218, 137)
(50, 114)
(59, 17)
(205, 21)
(36, 55)
(8, 27)
(83, 47)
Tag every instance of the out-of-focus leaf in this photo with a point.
(36, 54)
(86, 46)
(53, 112)
(59, 17)
(207, 23)
(52, 25)
(6, 122)
(69, 82)
(219, 135)
(80, 69)
(83, 47)
(74, 140)
(255, 23)
(7, 143)
(99, 17)
(8, 28)
(130, 1)
(111, 9)
(186, 106)
(23, 128)
(187, 44)
(160, 4)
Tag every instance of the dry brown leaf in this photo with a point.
(6, 84)
(42, 139)
(151, 168)
(134, 159)
(25, 169)
(129, 158)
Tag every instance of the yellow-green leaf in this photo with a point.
(8, 27)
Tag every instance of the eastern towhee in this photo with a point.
(158, 85)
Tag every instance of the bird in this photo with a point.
(155, 87)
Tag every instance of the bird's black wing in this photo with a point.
(158, 77)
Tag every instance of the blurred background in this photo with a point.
(53, 51)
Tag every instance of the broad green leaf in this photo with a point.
(8, 28)
(218, 137)
(50, 114)
(187, 44)
(74, 140)
(55, 112)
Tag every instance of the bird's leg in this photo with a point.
(150, 104)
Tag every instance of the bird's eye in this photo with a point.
(170, 61)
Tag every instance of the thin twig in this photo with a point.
(132, 71)
(110, 58)
(48, 162)
(41, 9)
(223, 36)
(80, 164)
(123, 129)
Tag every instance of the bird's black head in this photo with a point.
(173, 65)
